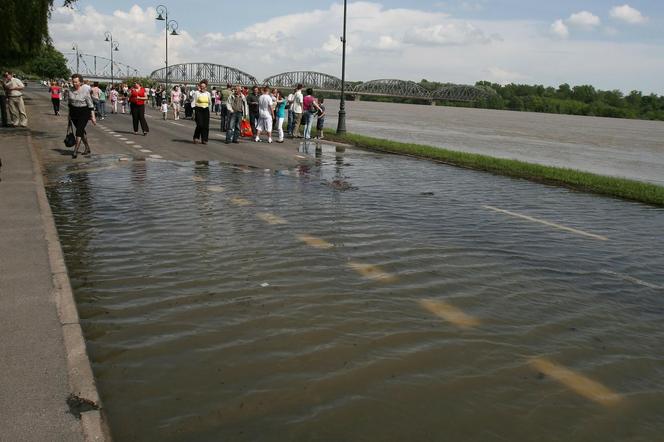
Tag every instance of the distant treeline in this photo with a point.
(577, 100)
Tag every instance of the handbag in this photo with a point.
(70, 138)
(245, 129)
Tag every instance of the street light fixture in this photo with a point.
(341, 123)
(114, 48)
(74, 47)
(170, 25)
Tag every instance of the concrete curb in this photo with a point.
(81, 379)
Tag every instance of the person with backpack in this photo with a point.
(311, 109)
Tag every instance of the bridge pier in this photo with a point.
(433, 103)
(357, 98)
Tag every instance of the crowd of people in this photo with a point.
(257, 113)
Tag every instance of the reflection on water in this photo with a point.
(224, 303)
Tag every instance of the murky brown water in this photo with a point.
(236, 305)
(607, 146)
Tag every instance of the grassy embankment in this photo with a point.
(573, 179)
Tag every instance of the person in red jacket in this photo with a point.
(137, 99)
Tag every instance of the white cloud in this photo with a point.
(560, 29)
(628, 14)
(382, 43)
(584, 20)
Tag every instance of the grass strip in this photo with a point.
(574, 179)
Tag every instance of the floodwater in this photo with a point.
(606, 146)
(366, 298)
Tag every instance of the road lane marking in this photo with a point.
(449, 313)
(300, 157)
(271, 219)
(149, 116)
(117, 135)
(547, 223)
(632, 279)
(129, 142)
(315, 242)
(371, 271)
(177, 124)
(137, 146)
(216, 189)
(576, 382)
(156, 156)
(240, 201)
(198, 179)
(123, 139)
(146, 151)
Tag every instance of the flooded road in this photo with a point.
(606, 146)
(367, 298)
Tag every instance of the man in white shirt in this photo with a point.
(265, 115)
(14, 89)
(298, 102)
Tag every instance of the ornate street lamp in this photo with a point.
(74, 47)
(114, 48)
(172, 26)
(341, 123)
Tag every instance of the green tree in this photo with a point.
(50, 63)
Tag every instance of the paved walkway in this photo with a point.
(34, 384)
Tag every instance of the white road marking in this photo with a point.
(198, 179)
(117, 135)
(146, 151)
(449, 313)
(129, 142)
(177, 124)
(137, 146)
(216, 189)
(149, 116)
(240, 201)
(271, 218)
(122, 139)
(317, 243)
(632, 279)
(547, 223)
(576, 382)
(156, 156)
(371, 271)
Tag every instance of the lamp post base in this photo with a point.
(341, 124)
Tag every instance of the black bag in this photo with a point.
(70, 138)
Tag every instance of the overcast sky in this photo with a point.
(609, 44)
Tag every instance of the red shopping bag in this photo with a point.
(245, 129)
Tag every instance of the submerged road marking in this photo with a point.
(216, 189)
(371, 271)
(156, 156)
(146, 151)
(578, 383)
(137, 146)
(240, 201)
(631, 279)
(547, 223)
(198, 179)
(449, 313)
(271, 218)
(315, 242)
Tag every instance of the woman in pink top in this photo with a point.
(54, 90)
(175, 102)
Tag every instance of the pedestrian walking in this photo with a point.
(311, 109)
(298, 100)
(202, 102)
(15, 105)
(265, 115)
(280, 113)
(238, 110)
(320, 124)
(114, 100)
(81, 110)
(56, 96)
(124, 98)
(291, 114)
(102, 104)
(224, 110)
(176, 97)
(252, 101)
(94, 93)
(137, 99)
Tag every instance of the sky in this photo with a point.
(609, 44)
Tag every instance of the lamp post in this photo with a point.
(74, 47)
(172, 26)
(114, 48)
(341, 123)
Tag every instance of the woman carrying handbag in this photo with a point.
(80, 111)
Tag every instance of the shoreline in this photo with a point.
(623, 188)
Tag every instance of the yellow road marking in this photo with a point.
(216, 189)
(271, 218)
(240, 202)
(547, 223)
(315, 242)
(372, 272)
(577, 382)
(449, 313)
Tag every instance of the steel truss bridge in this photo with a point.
(219, 75)
(96, 68)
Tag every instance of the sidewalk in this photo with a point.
(43, 355)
